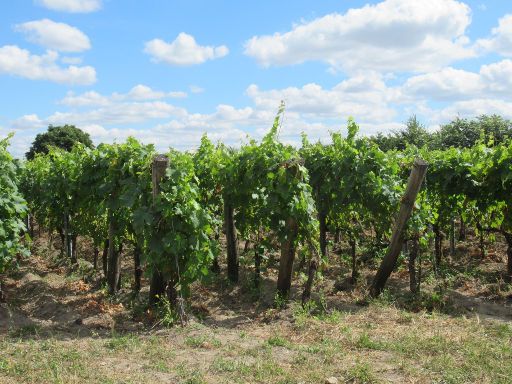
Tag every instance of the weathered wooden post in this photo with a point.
(157, 284)
(413, 255)
(313, 267)
(322, 221)
(137, 268)
(232, 249)
(452, 236)
(284, 279)
(114, 262)
(388, 263)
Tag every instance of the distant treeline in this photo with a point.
(460, 133)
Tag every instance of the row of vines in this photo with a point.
(176, 212)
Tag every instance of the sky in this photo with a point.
(168, 71)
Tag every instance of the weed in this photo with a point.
(365, 341)
(279, 301)
(202, 341)
(361, 373)
(25, 331)
(278, 341)
(124, 342)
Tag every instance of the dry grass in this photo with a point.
(376, 344)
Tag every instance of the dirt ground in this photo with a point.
(60, 325)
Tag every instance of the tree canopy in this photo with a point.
(459, 133)
(64, 137)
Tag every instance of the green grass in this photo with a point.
(375, 344)
(202, 341)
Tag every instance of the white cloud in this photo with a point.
(312, 108)
(449, 84)
(178, 94)
(20, 62)
(196, 89)
(57, 36)
(365, 97)
(446, 84)
(183, 51)
(71, 6)
(87, 99)
(498, 77)
(118, 113)
(26, 122)
(71, 60)
(143, 92)
(139, 92)
(473, 108)
(95, 130)
(501, 39)
(394, 35)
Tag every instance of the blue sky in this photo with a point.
(168, 71)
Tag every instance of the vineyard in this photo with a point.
(157, 233)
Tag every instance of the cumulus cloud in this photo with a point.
(20, 62)
(57, 36)
(71, 60)
(71, 6)
(143, 92)
(450, 84)
(139, 92)
(365, 97)
(183, 51)
(394, 35)
(501, 38)
(118, 113)
(86, 99)
(377, 102)
(472, 108)
(31, 121)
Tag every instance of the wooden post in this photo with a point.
(137, 269)
(3, 299)
(353, 252)
(215, 264)
(508, 238)
(74, 255)
(388, 263)
(104, 258)
(284, 279)
(114, 265)
(452, 236)
(413, 255)
(66, 236)
(462, 229)
(313, 267)
(322, 219)
(96, 254)
(438, 248)
(157, 284)
(232, 249)
(257, 260)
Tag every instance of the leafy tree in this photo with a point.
(64, 137)
(464, 133)
(414, 133)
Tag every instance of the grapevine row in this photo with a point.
(174, 211)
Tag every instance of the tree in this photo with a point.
(464, 133)
(414, 133)
(64, 137)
